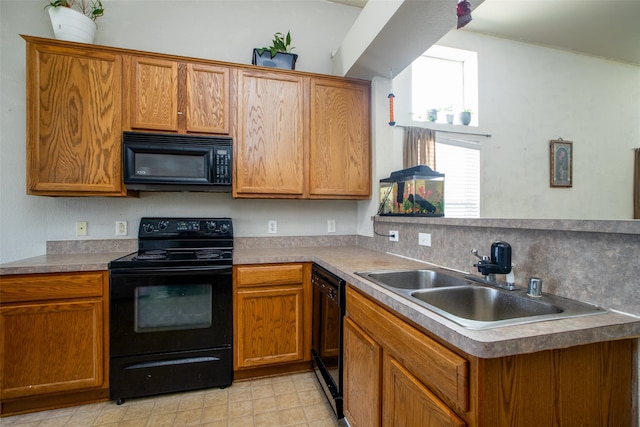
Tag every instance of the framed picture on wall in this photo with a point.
(561, 154)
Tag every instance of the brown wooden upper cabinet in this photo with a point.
(340, 146)
(269, 149)
(302, 136)
(296, 135)
(73, 120)
(175, 96)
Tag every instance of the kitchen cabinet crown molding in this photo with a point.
(159, 55)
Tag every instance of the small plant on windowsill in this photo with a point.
(432, 114)
(465, 116)
(278, 55)
(449, 111)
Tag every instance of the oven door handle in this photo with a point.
(217, 269)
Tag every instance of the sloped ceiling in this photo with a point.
(603, 28)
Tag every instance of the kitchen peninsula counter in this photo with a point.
(344, 261)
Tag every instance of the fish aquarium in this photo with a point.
(416, 191)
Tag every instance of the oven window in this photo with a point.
(173, 307)
(173, 165)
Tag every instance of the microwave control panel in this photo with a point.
(223, 165)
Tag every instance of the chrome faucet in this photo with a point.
(498, 263)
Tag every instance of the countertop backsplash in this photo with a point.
(94, 246)
(590, 266)
(596, 267)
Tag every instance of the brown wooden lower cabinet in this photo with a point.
(408, 402)
(54, 340)
(398, 375)
(362, 361)
(272, 318)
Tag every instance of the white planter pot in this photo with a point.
(71, 25)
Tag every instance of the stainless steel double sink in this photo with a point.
(473, 305)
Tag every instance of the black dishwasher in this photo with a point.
(326, 349)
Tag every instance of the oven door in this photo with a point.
(165, 310)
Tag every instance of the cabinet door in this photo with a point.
(154, 94)
(51, 347)
(270, 146)
(271, 321)
(207, 99)
(340, 141)
(73, 121)
(408, 403)
(362, 375)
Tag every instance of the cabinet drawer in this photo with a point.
(442, 370)
(282, 274)
(49, 286)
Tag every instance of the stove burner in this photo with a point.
(152, 254)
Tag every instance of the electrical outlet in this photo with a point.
(394, 236)
(331, 226)
(272, 226)
(424, 239)
(81, 228)
(121, 228)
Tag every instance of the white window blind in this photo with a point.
(460, 162)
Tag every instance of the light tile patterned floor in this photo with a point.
(290, 400)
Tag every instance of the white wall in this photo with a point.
(529, 95)
(225, 30)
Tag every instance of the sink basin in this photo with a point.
(483, 307)
(485, 304)
(475, 305)
(414, 279)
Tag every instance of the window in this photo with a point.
(460, 162)
(445, 79)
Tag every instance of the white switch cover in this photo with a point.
(424, 239)
(331, 226)
(121, 228)
(272, 226)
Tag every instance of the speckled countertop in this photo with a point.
(57, 263)
(344, 261)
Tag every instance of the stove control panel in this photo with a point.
(175, 227)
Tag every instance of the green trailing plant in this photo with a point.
(92, 9)
(280, 43)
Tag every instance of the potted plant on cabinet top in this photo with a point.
(74, 20)
(278, 55)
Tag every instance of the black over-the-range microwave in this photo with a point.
(171, 162)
